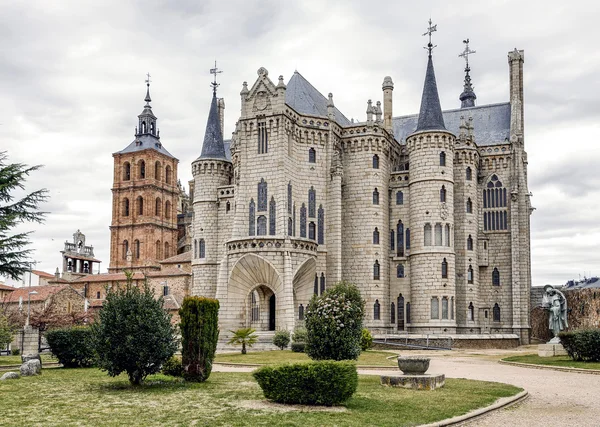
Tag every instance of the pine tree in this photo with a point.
(13, 255)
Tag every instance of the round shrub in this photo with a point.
(281, 339)
(334, 324)
(318, 383)
(298, 347)
(72, 346)
(366, 340)
(582, 345)
(173, 367)
(299, 335)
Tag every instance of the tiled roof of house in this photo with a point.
(43, 274)
(38, 293)
(178, 259)
(107, 277)
(4, 287)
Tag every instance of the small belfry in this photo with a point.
(467, 97)
(145, 199)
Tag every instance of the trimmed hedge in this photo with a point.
(199, 335)
(72, 346)
(317, 383)
(582, 345)
(298, 347)
(173, 367)
(281, 339)
(366, 340)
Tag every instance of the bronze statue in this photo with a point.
(556, 303)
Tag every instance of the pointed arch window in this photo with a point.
(400, 237)
(321, 225)
(195, 248)
(435, 308)
(495, 213)
(376, 310)
(442, 158)
(376, 236)
(470, 275)
(157, 206)
(312, 155)
(496, 313)
(469, 174)
(125, 248)
(303, 220)
(427, 234)
(311, 231)
(289, 197)
(263, 138)
(201, 248)
(496, 277)
(312, 202)
(322, 283)
(158, 250)
(408, 238)
(294, 220)
(399, 198)
(261, 226)
(126, 207)
(400, 271)
(443, 194)
(444, 308)
(392, 240)
(375, 161)
(262, 195)
(137, 249)
(126, 171)
(469, 205)
(142, 169)
(444, 269)
(452, 308)
(168, 174)
(408, 312)
(448, 241)
(301, 312)
(375, 196)
(392, 313)
(168, 209)
(469, 243)
(471, 312)
(255, 308)
(251, 218)
(376, 270)
(290, 227)
(272, 217)
(140, 205)
(157, 170)
(167, 250)
(438, 234)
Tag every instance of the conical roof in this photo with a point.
(430, 115)
(213, 146)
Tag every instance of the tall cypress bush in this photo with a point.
(199, 334)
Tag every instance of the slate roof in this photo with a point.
(430, 114)
(213, 147)
(592, 282)
(306, 99)
(491, 123)
(147, 141)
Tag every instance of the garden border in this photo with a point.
(550, 367)
(258, 365)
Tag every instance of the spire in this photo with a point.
(147, 98)
(468, 96)
(147, 119)
(430, 114)
(213, 146)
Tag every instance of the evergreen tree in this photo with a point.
(13, 255)
(133, 333)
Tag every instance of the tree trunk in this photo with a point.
(243, 348)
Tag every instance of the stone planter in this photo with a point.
(413, 365)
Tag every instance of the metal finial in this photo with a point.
(148, 79)
(215, 71)
(430, 30)
(147, 98)
(465, 54)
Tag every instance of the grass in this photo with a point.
(367, 358)
(563, 361)
(76, 397)
(16, 360)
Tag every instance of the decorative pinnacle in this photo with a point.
(465, 54)
(148, 99)
(215, 71)
(430, 30)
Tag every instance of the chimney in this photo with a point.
(221, 107)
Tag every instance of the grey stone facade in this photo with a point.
(308, 198)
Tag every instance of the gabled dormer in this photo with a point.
(264, 98)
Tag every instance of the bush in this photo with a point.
(334, 323)
(298, 347)
(6, 332)
(199, 335)
(72, 347)
(173, 367)
(299, 335)
(582, 345)
(133, 333)
(366, 340)
(317, 383)
(15, 351)
(281, 339)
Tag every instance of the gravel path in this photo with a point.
(555, 398)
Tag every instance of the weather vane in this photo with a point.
(430, 30)
(148, 79)
(466, 52)
(215, 71)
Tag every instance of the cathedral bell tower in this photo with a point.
(143, 230)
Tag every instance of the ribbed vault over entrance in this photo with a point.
(252, 270)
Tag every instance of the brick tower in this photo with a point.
(144, 218)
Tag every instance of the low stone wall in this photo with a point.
(480, 341)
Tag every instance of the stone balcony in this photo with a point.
(256, 244)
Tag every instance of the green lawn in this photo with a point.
(564, 361)
(16, 360)
(88, 397)
(367, 358)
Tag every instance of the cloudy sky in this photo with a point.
(72, 84)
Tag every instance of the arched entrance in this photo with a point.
(261, 309)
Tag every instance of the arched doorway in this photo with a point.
(400, 312)
(261, 309)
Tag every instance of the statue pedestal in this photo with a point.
(415, 382)
(551, 349)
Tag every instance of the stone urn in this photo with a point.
(413, 365)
